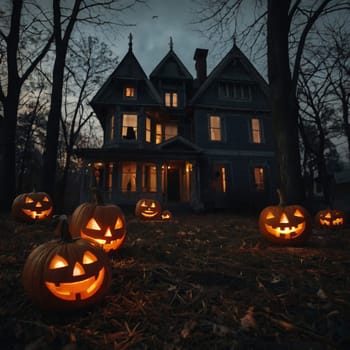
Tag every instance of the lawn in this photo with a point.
(201, 281)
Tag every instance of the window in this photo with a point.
(256, 132)
(148, 129)
(129, 126)
(215, 128)
(235, 91)
(129, 92)
(149, 178)
(158, 133)
(170, 99)
(170, 130)
(111, 128)
(219, 182)
(129, 177)
(259, 178)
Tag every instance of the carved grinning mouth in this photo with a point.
(287, 232)
(71, 290)
(148, 213)
(37, 214)
(111, 245)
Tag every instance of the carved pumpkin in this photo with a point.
(330, 218)
(66, 274)
(285, 224)
(166, 215)
(148, 209)
(103, 224)
(31, 207)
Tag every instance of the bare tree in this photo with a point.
(89, 62)
(287, 25)
(20, 54)
(65, 20)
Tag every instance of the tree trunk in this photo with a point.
(284, 103)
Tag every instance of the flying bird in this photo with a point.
(154, 17)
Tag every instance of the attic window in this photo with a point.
(170, 99)
(129, 92)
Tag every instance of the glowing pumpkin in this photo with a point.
(148, 209)
(330, 218)
(66, 274)
(166, 215)
(31, 207)
(103, 224)
(285, 224)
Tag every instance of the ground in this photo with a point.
(201, 281)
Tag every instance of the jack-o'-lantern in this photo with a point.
(148, 209)
(285, 224)
(330, 218)
(32, 207)
(166, 215)
(66, 274)
(103, 224)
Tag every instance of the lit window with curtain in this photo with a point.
(259, 178)
(148, 129)
(129, 126)
(220, 178)
(128, 177)
(215, 132)
(256, 132)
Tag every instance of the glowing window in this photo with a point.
(128, 177)
(158, 133)
(171, 99)
(111, 128)
(148, 129)
(129, 126)
(170, 130)
(215, 128)
(219, 182)
(129, 91)
(256, 130)
(259, 178)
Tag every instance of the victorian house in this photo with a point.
(203, 142)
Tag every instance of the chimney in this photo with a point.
(200, 56)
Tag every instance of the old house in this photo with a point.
(203, 142)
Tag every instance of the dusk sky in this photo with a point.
(155, 24)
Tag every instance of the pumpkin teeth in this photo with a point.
(286, 232)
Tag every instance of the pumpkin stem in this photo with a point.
(62, 227)
(280, 198)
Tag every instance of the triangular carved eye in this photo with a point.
(270, 215)
(28, 200)
(118, 224)
(89, 258)
(46, 199)
(153, 205)
(143, 204)
(328, 215)
(93, 225)
(58, 262)
(298, 213)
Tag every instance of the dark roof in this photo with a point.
(171, 67)
(234, 53)
(128, 69)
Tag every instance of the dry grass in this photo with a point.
(198, 282)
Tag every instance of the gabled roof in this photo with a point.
(171, 67)
(234, 53)
(128, 69)
(179, 143)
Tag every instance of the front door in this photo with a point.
(173, 184)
